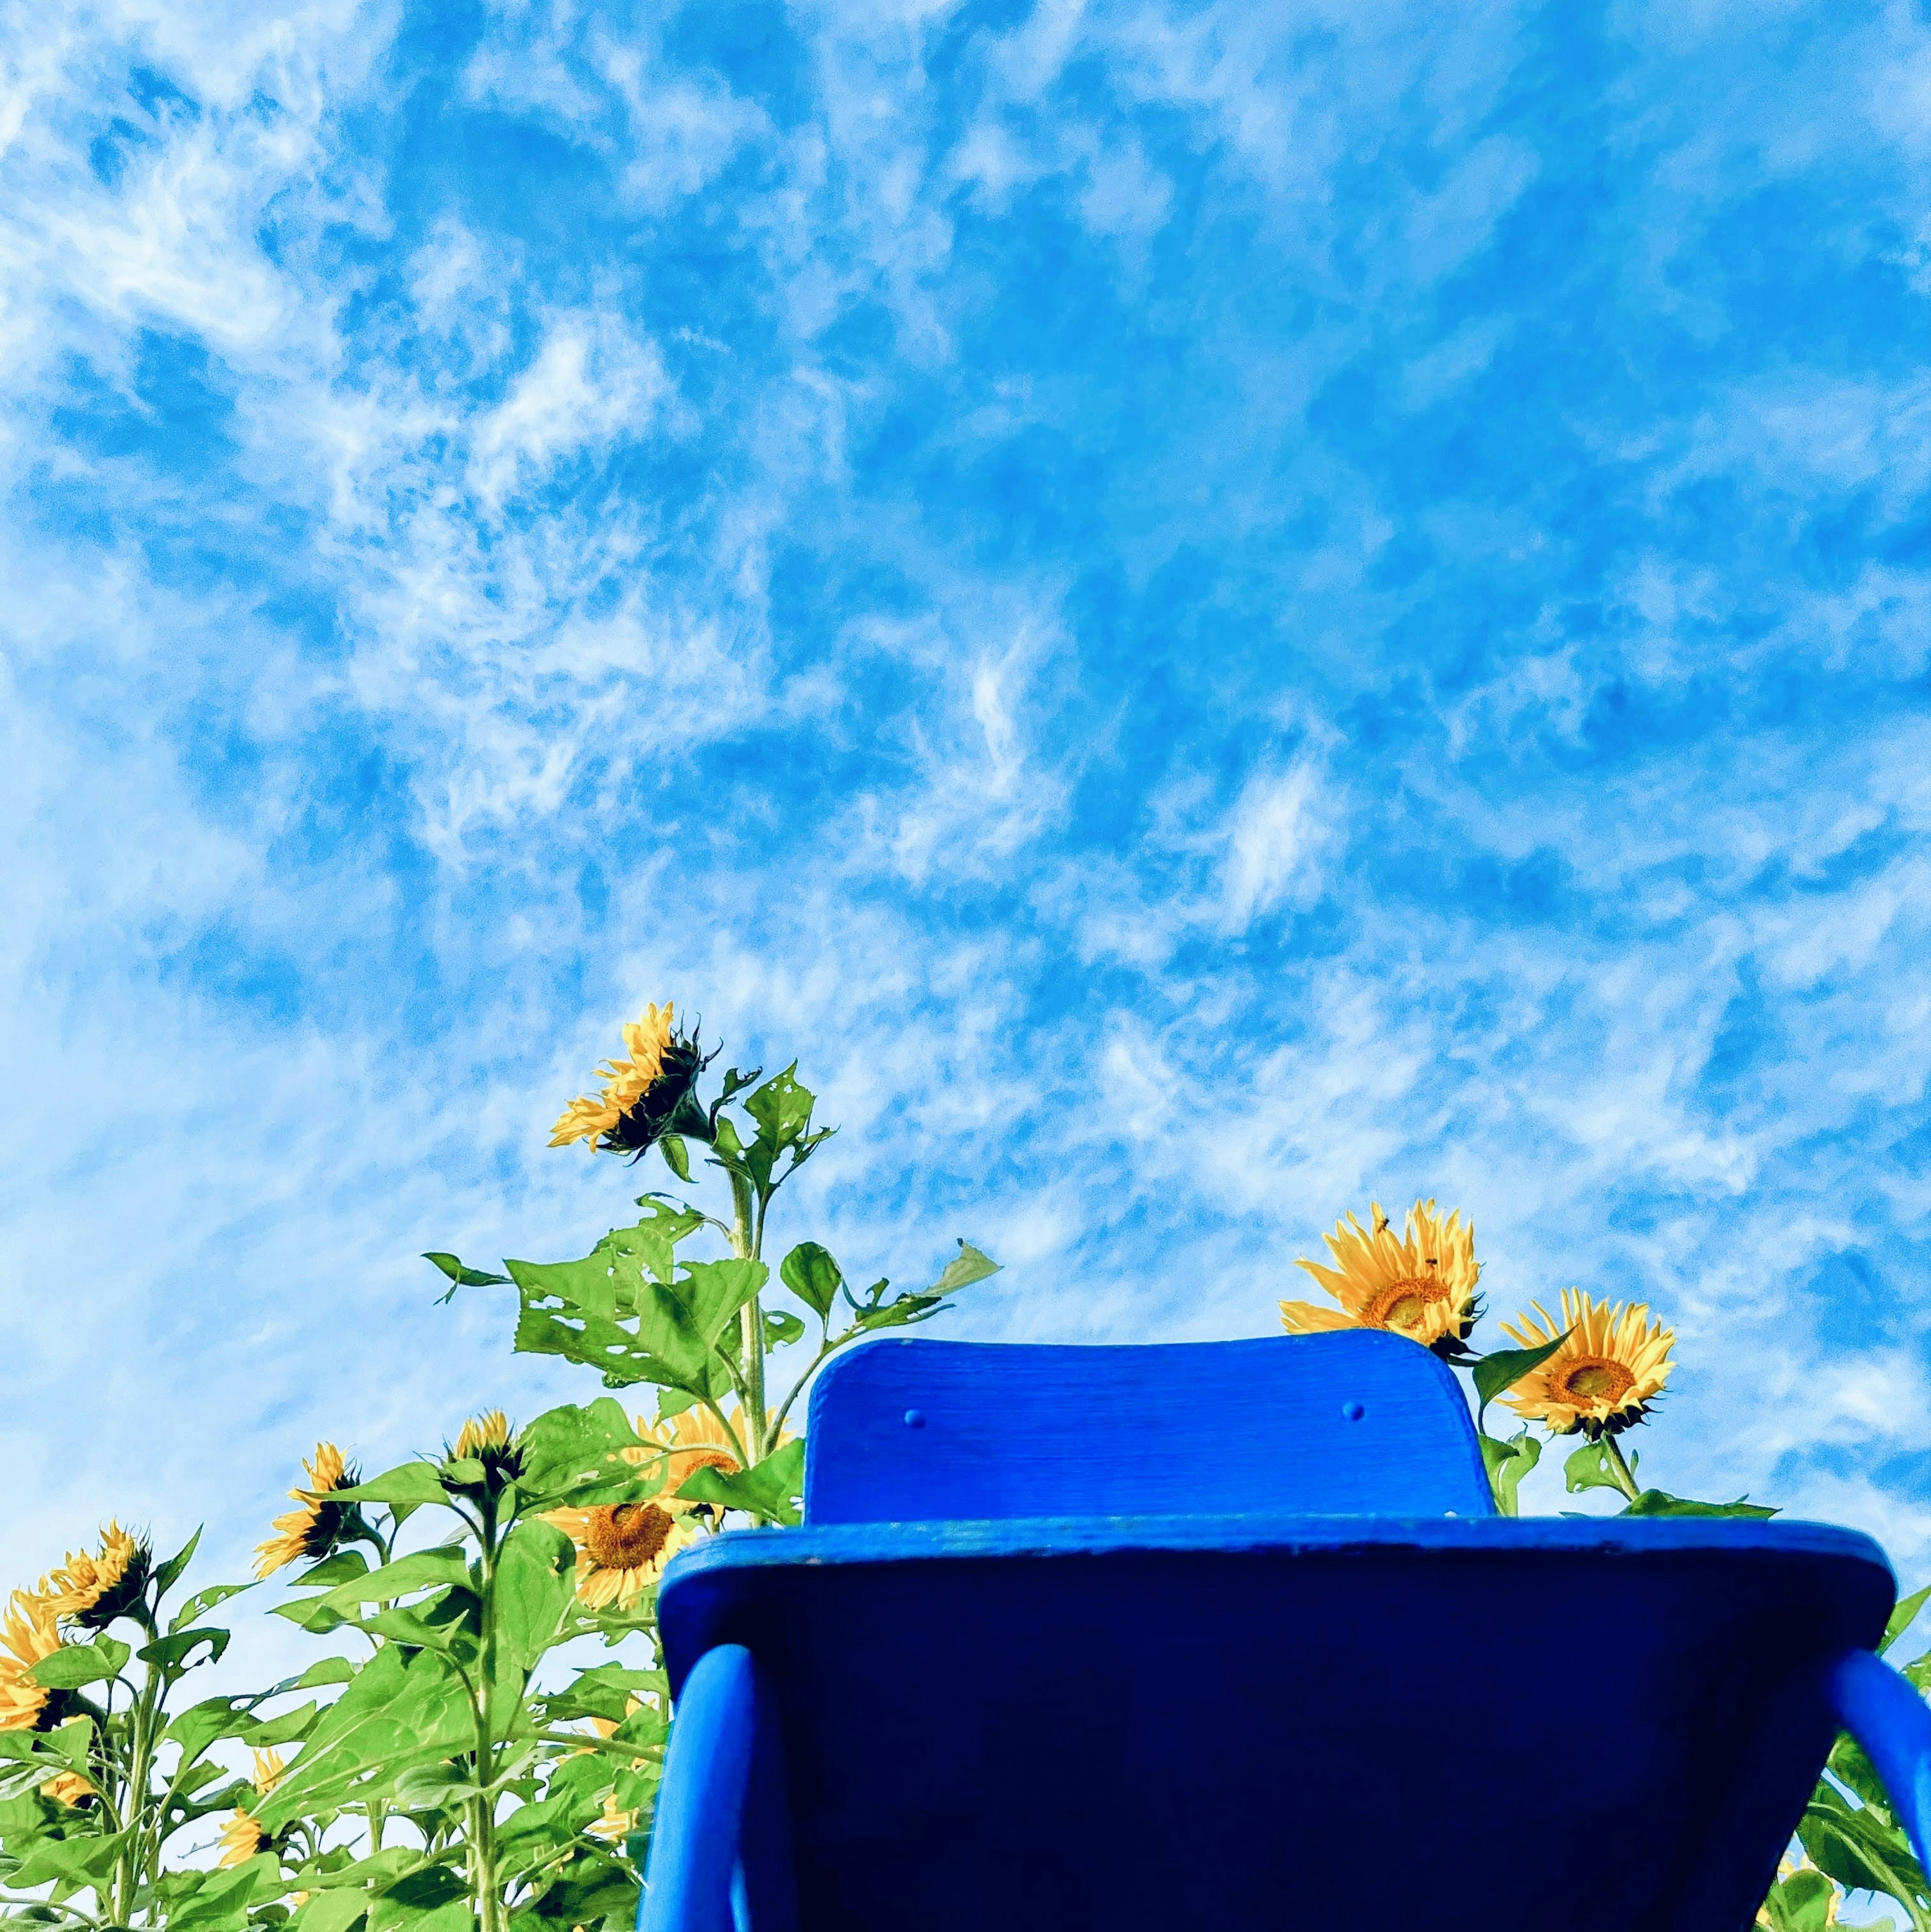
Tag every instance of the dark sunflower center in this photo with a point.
(627, 1536)
(1595, 1380)
(1404, 1304)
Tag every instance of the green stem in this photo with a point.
(482, 1808)
(127, 1867)
(1626, 1479)
(744, 1246)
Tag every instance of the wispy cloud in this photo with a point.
(1212, 615)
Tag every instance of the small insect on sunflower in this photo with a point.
(27, 1634)
(1612, 1365)
(93, 1588)
(1420, 1284)
(641, 1093)
(242, 1836)
(314, 1526)
(622, 1548)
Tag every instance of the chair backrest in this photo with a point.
(910, 1429)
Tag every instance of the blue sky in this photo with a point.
(1209, 611)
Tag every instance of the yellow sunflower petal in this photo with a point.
(1613, 1361)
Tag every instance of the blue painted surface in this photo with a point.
(908, 1428)
(1258, 1718)
(1891, 1721)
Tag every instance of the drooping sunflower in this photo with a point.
(28, 1633)
(641, 1092)
(1420, 1284)
(1612, 1365)
(622, 1548)
(314, 1526)
(242, 1836)
(92, 1588)
(693, 1439)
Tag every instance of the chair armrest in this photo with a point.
(1892, 1722)
(721, 1843)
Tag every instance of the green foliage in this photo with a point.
(1507, 1462)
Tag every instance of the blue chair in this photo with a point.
(1229, 1635)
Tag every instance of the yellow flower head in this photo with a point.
(1612, 1363)
(1420, 1283)
(314, 1526)
(67, 1787)
(28, 1633)
(92, 1588)
(640, 1093)
(489, 1430)
(622, 1548)
(270, 1769)
(615, 1822)
(241, 1839)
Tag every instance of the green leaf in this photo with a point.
(771, 1488)
(604, 1692)
(1858, 1852)
(714, 1292)
(433, 1900)
(168, 1574)
(900, 1313)
(781, 1329)
(811, 1273)
(1902, 1617)
(412, 1483)
(1802, 1902)
(171, 1652)
(573, 1453)
(329, 1670)
(1505, 1368)
(343, 1567)
(461, 1277)
(223, 1896)
(197, 1727)
(676, 1156)
(289, 1727)
(405, 1707)
(1655, 1502)
(1507, 1462)
(425, 1570)
(965, 1268)
(74, 1664)
(204, 1600)
(86, 1860)
(1589, 1467)
(781, 1108)
(334, 1910)
(534, 1588)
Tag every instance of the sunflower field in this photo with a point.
(437, 1767)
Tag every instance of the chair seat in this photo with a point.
(1245, 1721)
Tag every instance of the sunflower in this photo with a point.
(622, 1548)
(91, 1590)
(487, 1439)
(314, 1526)
(1421, 1285)
(695, 1440)
(641, 1092)
(242, 1836)
(616, 1823)
(68, 1788)
(1612, 1363)
(27, 1634)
